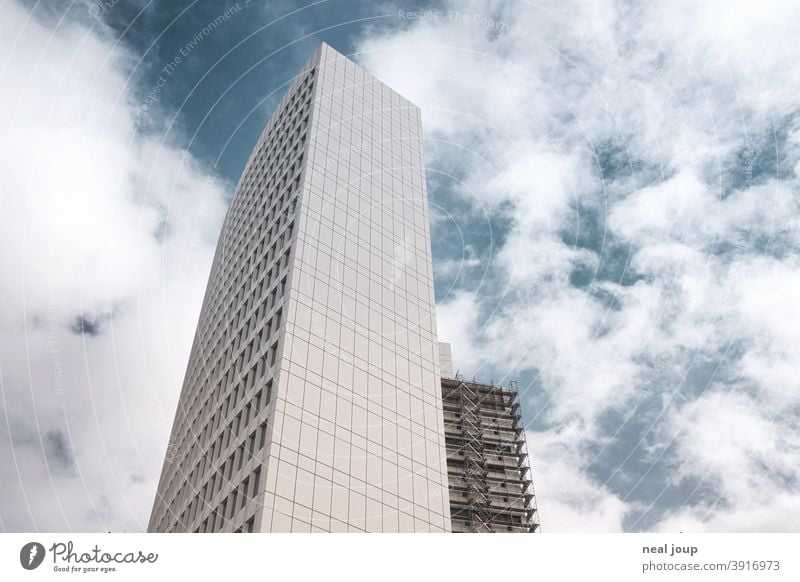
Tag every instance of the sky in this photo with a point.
(613, 190)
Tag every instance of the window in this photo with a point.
(243, 495)
(269, 393)
(256, 479)
(251, 445)
(193, 512)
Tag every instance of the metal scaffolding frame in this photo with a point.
(475, 471)
(491, 484)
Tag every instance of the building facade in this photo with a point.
(312, 400)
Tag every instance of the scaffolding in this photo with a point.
(475, 470)
(491, 484)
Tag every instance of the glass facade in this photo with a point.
(312, 397)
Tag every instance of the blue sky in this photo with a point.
(614, 199)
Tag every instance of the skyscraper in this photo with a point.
(312, 397)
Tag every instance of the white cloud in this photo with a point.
(770, 323)
(727, 440)
(453, 268)
(85, 199)
(569, 500)
(456, 324)
(778, 514)
(678, 208)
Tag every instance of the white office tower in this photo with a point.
(312, 397)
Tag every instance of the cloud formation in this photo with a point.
(108, 235)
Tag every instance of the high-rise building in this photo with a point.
(491, 486)
(312, 397)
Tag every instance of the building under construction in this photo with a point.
(491, 487)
